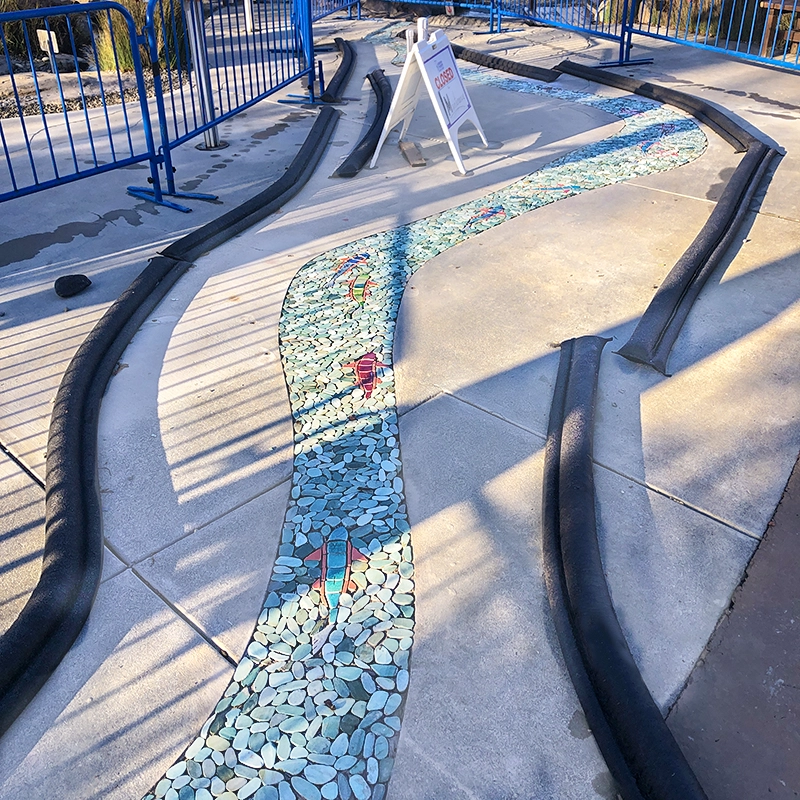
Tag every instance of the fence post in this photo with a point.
(195, 29)
(306, 35)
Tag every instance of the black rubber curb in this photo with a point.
(660, 325)
(658, 328)
(720, 122)
(557, 588)
(639, 748)
(505, 65)
(50, 622)
(214, 233)
(361, 153)
(336, 85)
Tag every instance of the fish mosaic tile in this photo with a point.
(314, 708)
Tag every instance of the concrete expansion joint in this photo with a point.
(496, 415)
(22, 466)
(686, 503)
(179, 612)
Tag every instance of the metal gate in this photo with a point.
(91, 88)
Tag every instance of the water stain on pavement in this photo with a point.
(27, 247)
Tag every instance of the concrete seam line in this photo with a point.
(641, 752)
(49, 623)
(361, 153)
(336, 85)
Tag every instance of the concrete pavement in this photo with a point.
(196, 431)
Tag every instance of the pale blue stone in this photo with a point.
(381, 749)
(402, 680)
(249, 789)
(330, 727)
(301, 652)
(330, 791)
(319, 773)
(251, 759)
(377, 701)
(360, 787)
(270, 777)
(305, 789)
(285, 792)
(344, 787)
(369, 743)
(372, 770)
(348, 673)
(266, 793)
(294, 725)
(392, 704)
(339, 746)
(319, 744)
(344, 763)
(322, 758)
(356, 742)
(241, 739)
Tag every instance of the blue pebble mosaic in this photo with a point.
(314, 707)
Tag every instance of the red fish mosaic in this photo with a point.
(366, 369)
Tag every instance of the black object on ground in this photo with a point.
(70, 285)
(738, 719)
(32, 648)
(505, 64)
(362, 152)
(656, 332)
(336, 85)
(639, 749)
(659, 326)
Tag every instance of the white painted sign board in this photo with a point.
(431, 63)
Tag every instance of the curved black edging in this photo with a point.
(659, 326)
(640, 751)
(504, 64)
(557, 589)
(48, 625)
(717, 120)
(214, 233)
(361, 153)
(335, 88)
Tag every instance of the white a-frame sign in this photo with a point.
(431, 62)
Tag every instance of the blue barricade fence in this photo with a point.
(74, 109)
(323, 8)
(92, 88)
(760, 30)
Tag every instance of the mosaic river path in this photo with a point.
(315, 705)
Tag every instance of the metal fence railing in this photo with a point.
(72, 107)
(761, 30)
(323, 8)
(98, 86)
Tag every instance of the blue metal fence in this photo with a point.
(323, 8)
(68, 118)
(215, 58)
(99, 94)
(760, 30)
